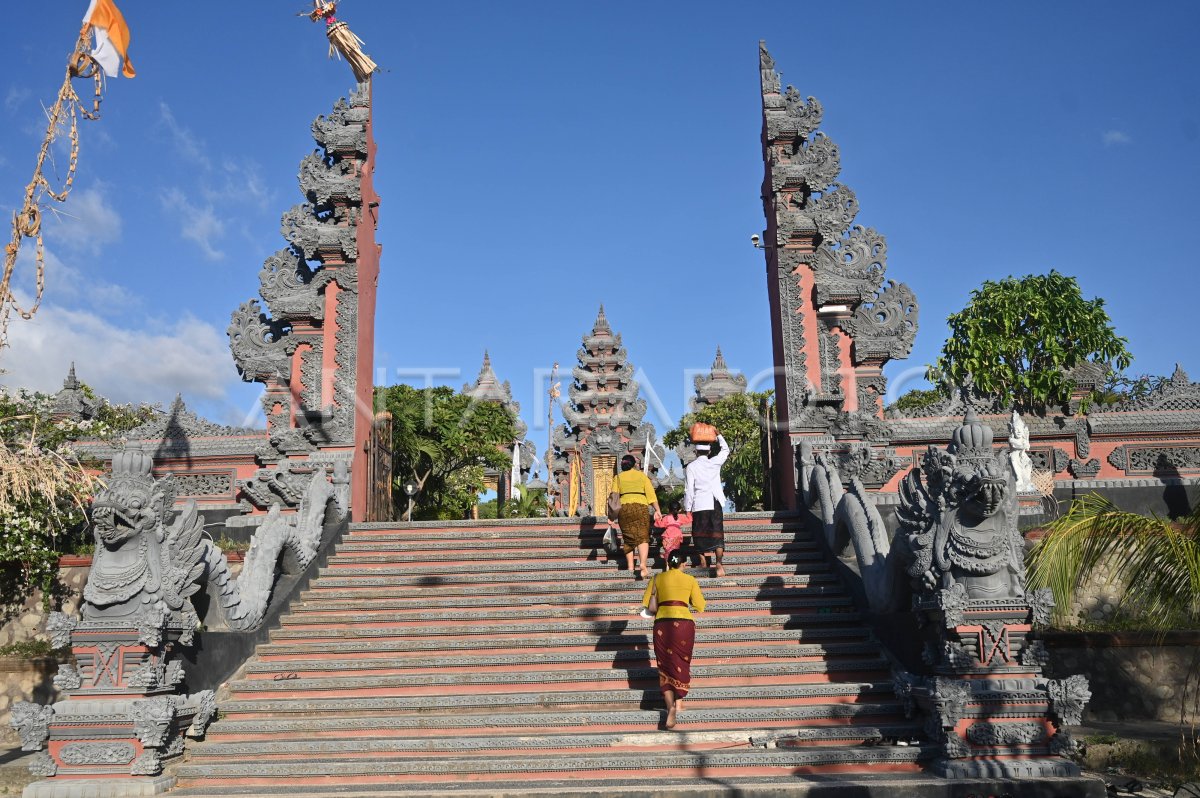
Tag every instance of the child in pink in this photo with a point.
(672, 536)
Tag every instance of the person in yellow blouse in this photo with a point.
(674, 631)
(637, 500)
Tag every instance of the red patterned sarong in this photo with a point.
(674, 639)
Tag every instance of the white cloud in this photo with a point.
(1113, 138)
(86, 222)
(186, 143)
(66, 284)
(242, 182)
(15, 98)
(197, 224)
(123, 364)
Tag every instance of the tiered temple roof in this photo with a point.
(719, 383)
(604, 420)
(488, 388)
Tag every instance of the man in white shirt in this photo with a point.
(704, 498)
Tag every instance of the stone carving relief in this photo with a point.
(32, 722)
(343, 130)
(1164, 458)
(816, 165)
(833, 212)
(286, 285)
(204, 484)
(261, 347)
(1050, 459)
(766, 65)
(96, 753)
(1068, 697)
(850, 269)
(830, 348)
(301, 227)
(871, 391)
(1006, 733)
(1083, 440)
(323, 182)
(886, 327)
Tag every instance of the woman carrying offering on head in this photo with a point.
(704, 498)
(674, 631)
(637, 500)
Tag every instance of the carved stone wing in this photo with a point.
(185, 548)
(917, 513)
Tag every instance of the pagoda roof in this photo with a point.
(719, 383)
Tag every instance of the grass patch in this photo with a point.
(32, 649)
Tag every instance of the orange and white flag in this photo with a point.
(112, 37)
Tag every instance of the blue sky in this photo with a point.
(537, 159)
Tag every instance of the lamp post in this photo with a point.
(410, 488)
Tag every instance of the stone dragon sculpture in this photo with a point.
(147, 566)
(957, 521)
(956, 564)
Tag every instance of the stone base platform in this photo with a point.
(99, 788)
(889, 786)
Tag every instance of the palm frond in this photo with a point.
(1155, 561)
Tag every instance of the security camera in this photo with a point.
(754, 239)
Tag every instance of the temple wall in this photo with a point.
(1132, 675)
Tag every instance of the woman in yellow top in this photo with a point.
(637, 499)
(674, 631)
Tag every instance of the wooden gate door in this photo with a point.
(379, 469)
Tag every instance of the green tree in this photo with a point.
(1020, 337)
(527, 503)
(918, 399)
(1155, 561)
(444, 440)
(737, 418)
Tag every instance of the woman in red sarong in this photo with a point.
(674, 631)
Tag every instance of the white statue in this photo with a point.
(1018, 441)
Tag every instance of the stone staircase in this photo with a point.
(509, 655)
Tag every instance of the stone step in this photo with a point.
(724, 586)
(518, 700)
(550, 627)
(453, 767)
(846, 784)
(405, 682)
(586, 540)
(572, 568)
(267, 668)
(534, 526)
(291, 749)
(631, 639)
(601, 579)
(618, 607)
(501, 555)
(423, 599)
(452, 552)
(377, 725)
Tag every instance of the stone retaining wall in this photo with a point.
(29, 622)
(1133, 675)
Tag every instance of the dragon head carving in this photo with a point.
(132, 502)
